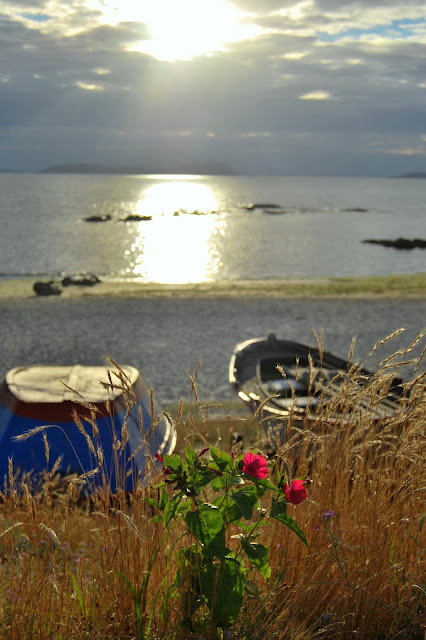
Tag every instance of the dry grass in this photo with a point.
(73, 569)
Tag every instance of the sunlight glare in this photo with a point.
(177, 196)
(181, 30)
(176, 250)
(178, 245)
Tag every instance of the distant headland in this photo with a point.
(414, 174)
(210, 168)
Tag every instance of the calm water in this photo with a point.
(201, 230)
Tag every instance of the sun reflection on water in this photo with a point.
(175, 196)
(179, 244)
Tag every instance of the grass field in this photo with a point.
(105, 568)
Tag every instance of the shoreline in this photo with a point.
(407, 286)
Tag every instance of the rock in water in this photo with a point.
(82, 281)
(47, 289)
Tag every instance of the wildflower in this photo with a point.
(166, 470)
(328, 514)
(296, 492)
(254, 466)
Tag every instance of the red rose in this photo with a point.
(296, 492)
(255, 466)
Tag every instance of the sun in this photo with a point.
(182, 29)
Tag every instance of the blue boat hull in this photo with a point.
(111, 438)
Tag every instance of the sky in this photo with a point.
(268, 87)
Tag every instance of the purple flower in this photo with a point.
(328, 514)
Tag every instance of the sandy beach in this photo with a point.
(166, 331)
(407, 286)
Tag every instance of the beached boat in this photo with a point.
(280, 378)
(95, 417)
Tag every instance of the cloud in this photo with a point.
(407, 152)
(335, 85)
(88, 87)
(315, 95)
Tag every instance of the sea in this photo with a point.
(190, 229)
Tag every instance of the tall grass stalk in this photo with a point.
(102, 567)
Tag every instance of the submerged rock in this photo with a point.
(400, 243)
(102, 218)
(134, 217)
(81, 281)
(276, 212)
(262, 205)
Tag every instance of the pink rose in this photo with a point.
(254, 465)
(296, 492)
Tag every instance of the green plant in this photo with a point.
(220, 504)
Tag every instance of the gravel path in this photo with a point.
(166, 338)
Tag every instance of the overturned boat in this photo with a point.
(89, 420)
(279, 379)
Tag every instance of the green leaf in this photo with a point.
(258, 556)
(278, 508)
(278, 512)
(202, 478)
(221, 458)
(79, 595)
(152, 502)
(229, 509)
(218, 483)
(164, 498)
(206, 525)
(171, 508)
(245, 499)
(132, 591)
(223, 587)
(174, 462)
(155, 519)
(251, 588)
(191, 456)
(189, 558)
(262, 484)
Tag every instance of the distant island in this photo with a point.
(414, 174)
(210, 168)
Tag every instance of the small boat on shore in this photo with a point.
(94, 417)
(278, 379)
